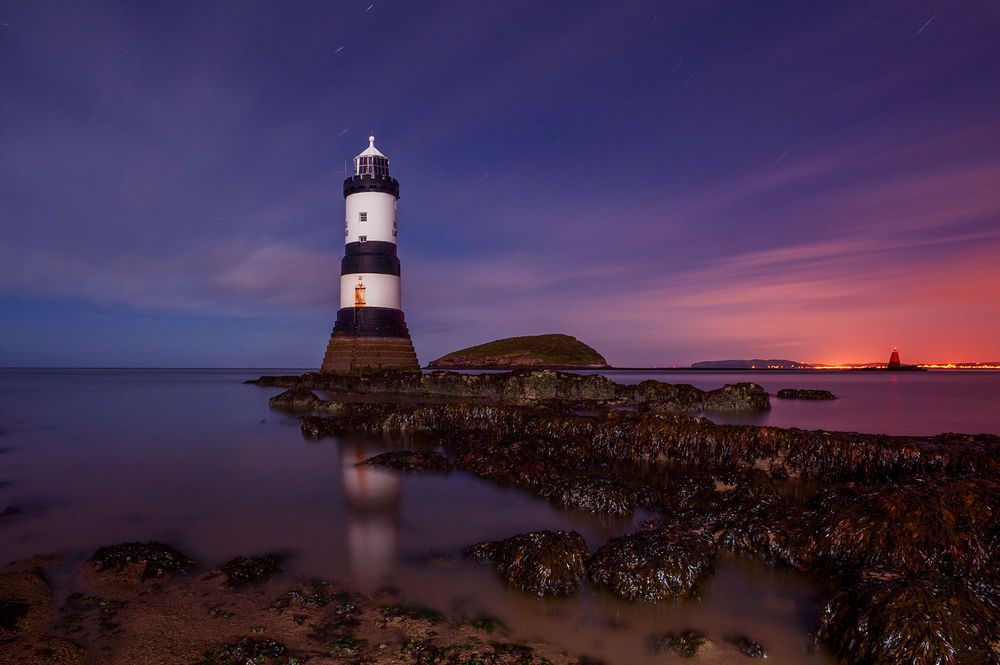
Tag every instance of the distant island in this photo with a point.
(536, 351)
(753, 363)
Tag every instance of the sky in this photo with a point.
(667, 181)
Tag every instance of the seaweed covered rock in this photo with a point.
(11, 613)
(938, 525)
(793, 393)
(243, 571)
(684, 644)
(598, 495)
(544, 563)
(652, 565)
(664, 397)
(150, 559)
(898, 621)
(295, 398)
(410, 460)
(748, 647)
(738, 397)
(251, 651)
(315, 427)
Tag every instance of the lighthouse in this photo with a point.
(370, 333)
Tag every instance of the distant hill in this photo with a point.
(538, 351)
(753, 363)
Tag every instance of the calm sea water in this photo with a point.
(197, 459)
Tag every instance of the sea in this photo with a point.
(196, 458)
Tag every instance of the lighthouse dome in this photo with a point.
(371, 161)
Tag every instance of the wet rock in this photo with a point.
(410, 460)
(738, 397)
(747, 646)
(11, 613)
(153, 559)
(663, 397)
(316, 427)
(243, 571)
(544, 563)
(652, 565)
(481, 552)
(251, 651)
(314, 593)
(793, 393)
(930, 526)
(598, 495)
(902, 621)
(684, 644)
(295, 398)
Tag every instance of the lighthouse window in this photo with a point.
(362, 238)
(362, 216)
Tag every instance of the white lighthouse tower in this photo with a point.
(370, 333)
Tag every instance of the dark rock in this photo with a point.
(685, 644)
(155, 558)
(792, 393)
(11, 613)
(931, 526)
(665, 397)
(748, 646)
(481, 552)
(251, 651)
(598, 495)
(738, 397)
(410, 460)
(910, 622)
(652, 565)
(243, 571)
(314, 593)
(544, 563)
(316, 427)
(295, 398)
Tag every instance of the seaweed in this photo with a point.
(243, 571)
(156, 558)
(684, 644)
(891, 620)
(410, 460)
(543, 563)
(652, 565)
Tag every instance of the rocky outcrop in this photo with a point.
(652, 565)
(148, 560)
(793, 393)
(519, 388)
(598, 495)
(410, 460)
(549, 351)
(738, 397)
(242, 571)
(543, 563)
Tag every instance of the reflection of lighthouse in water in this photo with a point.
(372, 516)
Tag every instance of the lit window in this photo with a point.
(362, 216)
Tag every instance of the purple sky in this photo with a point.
(669, 182)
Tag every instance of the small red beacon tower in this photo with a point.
(894, 360)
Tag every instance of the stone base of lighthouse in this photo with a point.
(369, 339)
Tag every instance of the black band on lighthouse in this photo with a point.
(370, 247)
(381, 264)
(371, 322)
(371, 183)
